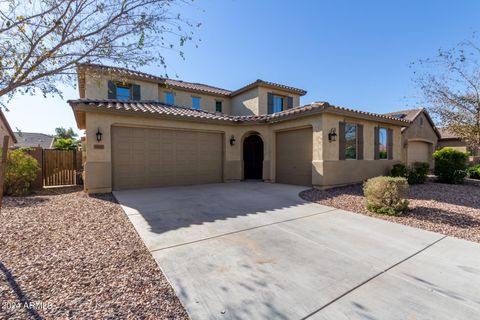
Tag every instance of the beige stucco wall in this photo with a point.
(455, 144)
(263, 98)
(96, 87)
(251, 102)
(245, 103)
(4, 132)
(416, 132)
(327, 170)
(98, 165)
(255, 101)
(184, 98)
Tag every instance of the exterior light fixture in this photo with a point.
(99, 135)
(332, 135)
(232, 140)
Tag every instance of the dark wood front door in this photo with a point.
(253, 157)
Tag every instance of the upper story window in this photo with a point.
(218, 106)
(421, 122)
(169, 98)
(277, 103)
(350, 141)
(383, 143)
(123, 91)
(195, 102)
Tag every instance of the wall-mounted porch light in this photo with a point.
(99, 135)
(332, 135)
(232, 140)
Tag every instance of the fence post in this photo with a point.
(3, 167)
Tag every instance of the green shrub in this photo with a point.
(66, 144)
(386, 195)
(21, 171)
(399, 170)
(473, 172)
(416, 173)
(450, 165)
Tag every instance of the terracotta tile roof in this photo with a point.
(200, 87)
(445, 134)
(167, 82)
(197, 87)
(159, 108)
(268, 84)
(366, 113)
(149, 107)
(409, 114)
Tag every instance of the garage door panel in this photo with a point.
(419, 151)
(294, 157)
(158, 157)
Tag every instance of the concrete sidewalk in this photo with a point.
(258, 251)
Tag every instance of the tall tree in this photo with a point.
(450, 83)
(62, 133)
(41, 41)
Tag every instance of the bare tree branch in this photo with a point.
(42, 40)
(450, 84)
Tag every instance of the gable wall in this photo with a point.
(184, 98)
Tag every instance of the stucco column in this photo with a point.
(98, 167)
(317, 152)
(233, 165)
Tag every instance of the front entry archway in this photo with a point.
(253, 157)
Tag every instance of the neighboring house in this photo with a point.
(420, 138)
(147, 131)
(5, 129)
(450, 140)
(34, 140)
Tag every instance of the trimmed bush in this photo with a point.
(21, 171)
(416, 173)
(399, 170)
(386, 195)
(474, 172)
(450, 165)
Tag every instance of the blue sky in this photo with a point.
(355, 54)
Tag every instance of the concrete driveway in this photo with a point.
(254, 250)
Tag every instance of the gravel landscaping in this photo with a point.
(64, 254)
(453, 210)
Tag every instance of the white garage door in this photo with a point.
(143, 157)
(418, 152)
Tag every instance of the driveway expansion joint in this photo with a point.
(242, 230)
(373, 277)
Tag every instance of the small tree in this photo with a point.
(66, 144)
(451, 87)
(41, 41)
(65, 139)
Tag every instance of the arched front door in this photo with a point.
(253, 157)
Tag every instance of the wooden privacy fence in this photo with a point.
(57, 167)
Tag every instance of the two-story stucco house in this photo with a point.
(148, 131)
